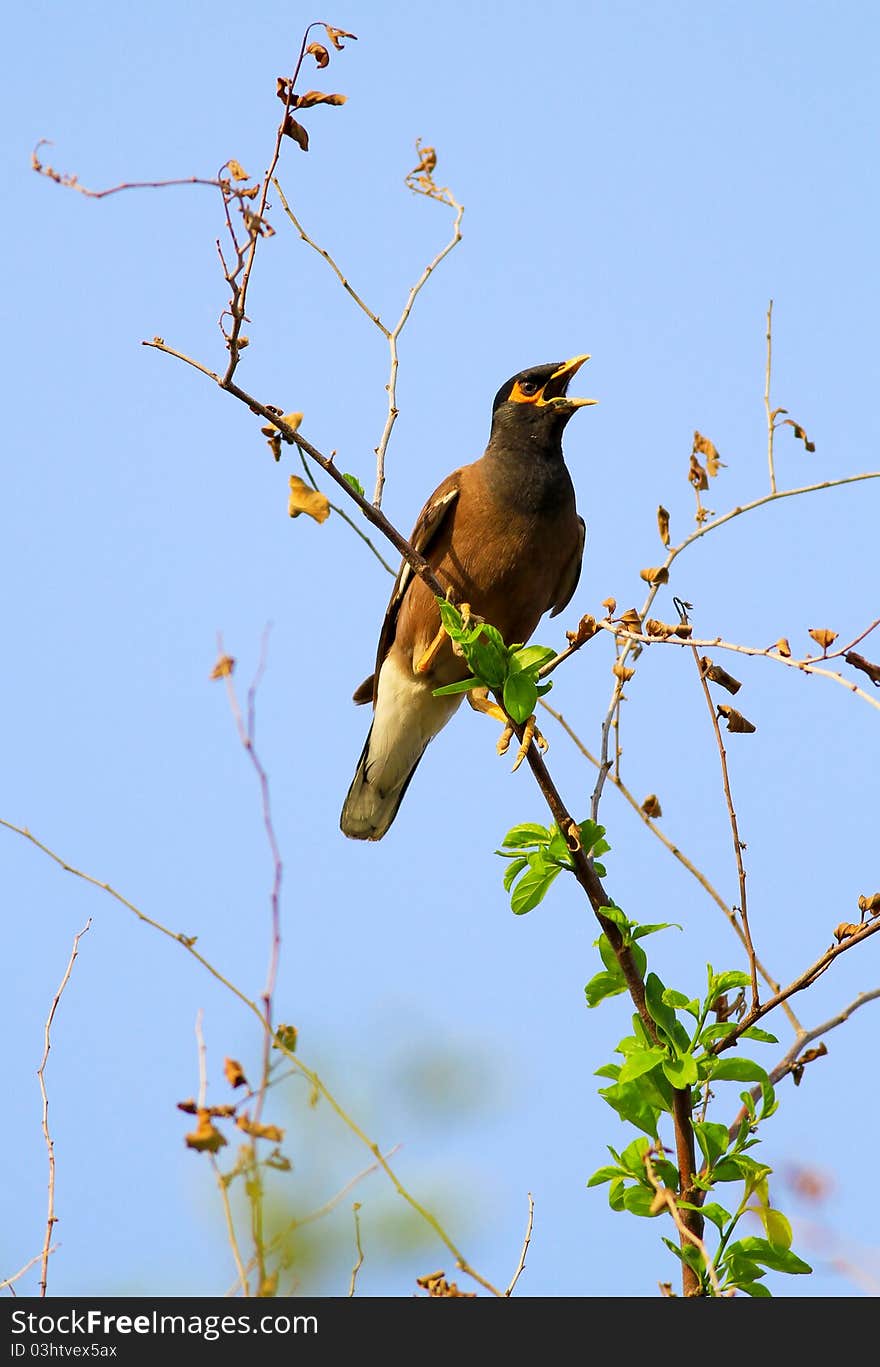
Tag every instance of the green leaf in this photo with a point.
(779, 1259)
(639, 1200)
(604, 985)
(681, 1071)
(764, 1036)
(601, 1175)
(711, 1211)
(641, 1061)
(633, 1157)
(449, 616)
(520, 696)
(720, 1030)
(776, 1226)
(755, 1289)
(513, 870)
(608, 1070)
(663, 1015)
(615, 1195)
(531, 657)
(463, 686)
(738, 1070)
(680, 1000)
(529, 833)
(355, 484)
(725, 982)
(627, 1099)
(712, 1138)
(486, 660)
(532, 888)
(639, 931)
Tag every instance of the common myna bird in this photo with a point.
(501, 535)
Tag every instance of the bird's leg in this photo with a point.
(479, 701)
(425, 662)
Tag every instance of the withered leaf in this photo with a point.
(427, 160)
(623, 672)
(236, 170)
(631, 621)
(799, 432)
(304, 499)
(697, 475)
(859, 662)
(282, 88)
(586, 629)
(651, 806)
(205, 1138)
(659, 574)
(278, 1161)
(189, 1106)
(291, 420)
(234, 1073)
(735, 720)
(684, 629)
(224, 1111)
(823, 636)
(718, 675)
(870, 906)
(274, 445)
(320, 53)
(223, 668)
(708, 449)
(260, 1131)
(810, 1055)
(662, 630)
(295, 130)
(334, 34)
(783, 647)
(663, 524)
(316, 97)
(610, 604)
(436, 1285)
(845, 930)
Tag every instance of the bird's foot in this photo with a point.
(479, 701)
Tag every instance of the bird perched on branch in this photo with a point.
(502, 535)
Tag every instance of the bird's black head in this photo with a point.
(535, 405)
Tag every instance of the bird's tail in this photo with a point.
(375, 794)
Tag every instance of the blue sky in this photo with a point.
(639, 181)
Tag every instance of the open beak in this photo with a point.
(556, 386)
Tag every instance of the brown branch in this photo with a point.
(71, 182)
(667, 1198)
(51, 1218)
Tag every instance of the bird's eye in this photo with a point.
(528, 387)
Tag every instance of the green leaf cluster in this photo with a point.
(538, 854)
(511, 671)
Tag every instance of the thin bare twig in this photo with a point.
(8, 1281)
(525, 1248)
(667, 1198)
(345, 517)
(771, 425)
(360, 1252)
(738, 845)
(71, 182)
(51, 1218)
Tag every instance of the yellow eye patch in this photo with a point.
(519, 395)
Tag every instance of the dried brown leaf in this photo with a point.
(610, 604)
(630, 620)
(320, 53)
(735, 720)
(623, 672)
(658, 574)
(436, 1285)
(663, 524)
(651, 806)
(283, 88)
(312, 97)
(236, 170)
(295, 130)
(304, 499)
(257, 1131)
(223, 668)
(783, 647)
(708, 449)
(427, 160)
(684, 629)
(799, 432)
(716, 674)
(845, 930)
(585, 630)
(870, 906)
(334, 34)
(190, 1106)
(661, 630)
(234, 1073)
(859, 662)
(823, 636)
(205, 1138)
(697, 475)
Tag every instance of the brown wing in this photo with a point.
(428, 523)
(570, 575)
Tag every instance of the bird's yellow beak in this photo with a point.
(554, 390)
